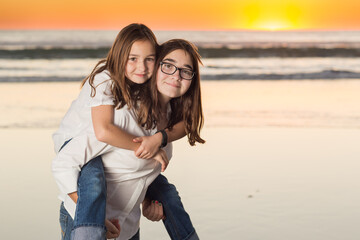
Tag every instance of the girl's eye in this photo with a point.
(132, 59)
(168, 65)
(187, 72)
(150, 59)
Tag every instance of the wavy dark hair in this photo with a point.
(126, 92)
(188, 107)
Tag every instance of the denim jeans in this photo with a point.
(66, 223)
(177, 221)
(89, 222)
(136, 236)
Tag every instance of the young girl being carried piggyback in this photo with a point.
(119, 80)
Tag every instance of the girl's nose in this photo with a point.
(141, 65)
(176, 75)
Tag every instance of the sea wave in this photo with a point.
(206, 52)
(325, 74)
(322, 75)
(53, 53)
(283, 52)
(41, 79)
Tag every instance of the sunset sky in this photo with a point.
(182, 15)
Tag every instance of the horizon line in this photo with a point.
(188, 30)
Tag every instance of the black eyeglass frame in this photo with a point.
(177, 68)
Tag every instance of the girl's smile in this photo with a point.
(173, 84)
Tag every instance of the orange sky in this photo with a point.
(181, 15)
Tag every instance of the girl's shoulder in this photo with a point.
(100, 90)
(102, 78)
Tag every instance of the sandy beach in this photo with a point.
(280, 162)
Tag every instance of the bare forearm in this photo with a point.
(106, 131)
(177, 132)
(117, 137)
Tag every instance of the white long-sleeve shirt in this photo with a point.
(127, 176)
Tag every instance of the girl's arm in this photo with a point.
(106, 131)
(144, 146)
(177, 132)
(102, 114)
(149, 143)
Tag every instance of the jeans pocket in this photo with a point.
(63, 224)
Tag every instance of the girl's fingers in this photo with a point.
(152, 211)
(139, 151)
(112, 235)
(166, 160)
(138, 140)
(162, 162)
(165, 157)
(144, 154)
(161, 212)
(147, 155)
(163, 166)
(116, 223)
(158, 211)
(112, 230)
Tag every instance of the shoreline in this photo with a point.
(285, 103)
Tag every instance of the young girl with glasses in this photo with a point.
(116, 81)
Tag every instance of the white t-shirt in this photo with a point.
(78, 117)
(127, 176)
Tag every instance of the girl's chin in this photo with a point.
(139, 80)
(172, 95)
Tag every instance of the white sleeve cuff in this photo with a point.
(67, 179)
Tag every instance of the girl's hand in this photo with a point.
(113, 228)
(74, 196)
(162, 158)
(149, 145)
(152, 210)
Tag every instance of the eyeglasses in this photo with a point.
(170, 69)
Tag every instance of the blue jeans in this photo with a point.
(66, 223)
(89, 222)
(177, 221)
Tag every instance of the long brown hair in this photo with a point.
(126, 92)
(188, 107)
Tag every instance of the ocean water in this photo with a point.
(33, 56)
